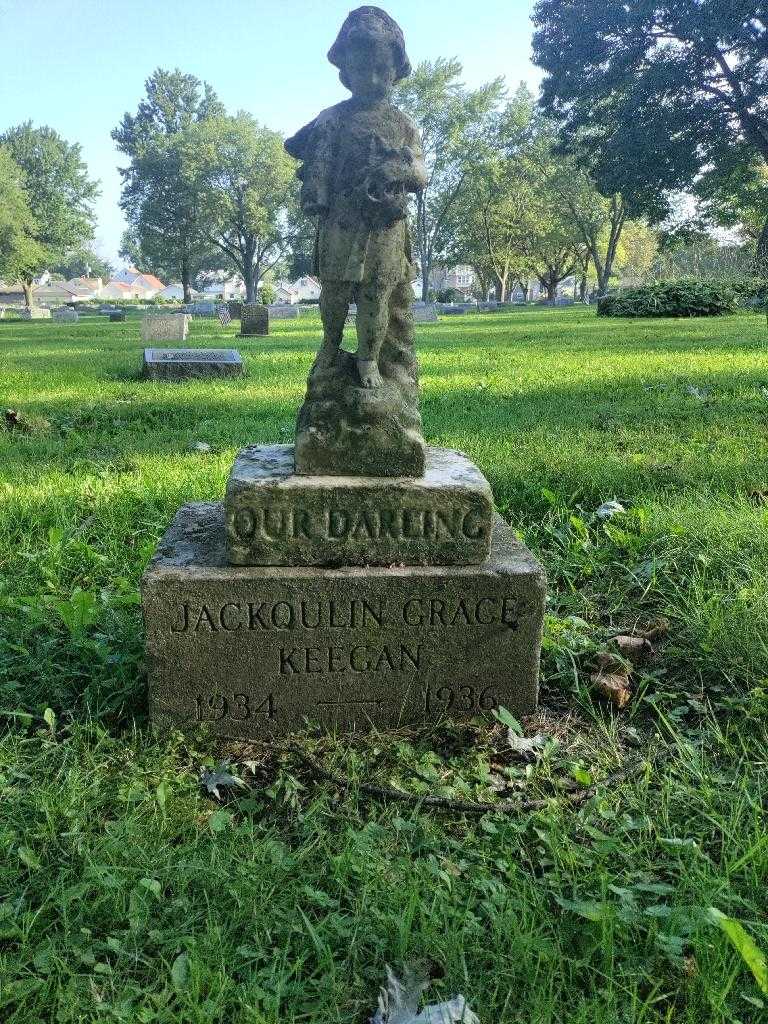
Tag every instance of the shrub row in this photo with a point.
(670, 298)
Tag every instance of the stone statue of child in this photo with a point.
(361, 158)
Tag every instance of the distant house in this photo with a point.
(120, 290)
(86, 287)
(54, 293)
(171, 291)
(224, 289)
(303, 289)
(460, 278)
(285, 293)
(11, 293)
(144, 286)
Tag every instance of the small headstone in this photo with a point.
(165, 327)
(191, 363)
(235, 308)
(254, 319)
(424, 312)
(117, 316)
(207, 310)
(65, 315)
(284, 311)
(35, 313)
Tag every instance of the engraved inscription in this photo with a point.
(459, 698)
(427, 613)
(215, 707)
(319, 660)
(273, 524)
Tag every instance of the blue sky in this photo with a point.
(78, 65)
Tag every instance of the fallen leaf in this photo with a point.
(399, 1003)
(525, 747)
(609, 509)
(219, 778)
(614, 686)
(636, 649)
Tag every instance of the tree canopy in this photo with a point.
(157, 197)
(660, 91)
(454, 124)
(59, 194)
(18, 249)
(244, 189)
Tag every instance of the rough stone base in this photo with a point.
(175, 364)
(276, 517)
(256, 652)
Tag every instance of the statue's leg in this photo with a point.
(372, 326)
(335, 298)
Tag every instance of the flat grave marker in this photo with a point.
(176, 364)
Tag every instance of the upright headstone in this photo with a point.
(235, 308)
(284, 311)
(424, 312)
(117, 316)
(357, 579)
(254, 319)
(165, 327)
(35, 313)
(66, 315)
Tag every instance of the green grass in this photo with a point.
(127, 894)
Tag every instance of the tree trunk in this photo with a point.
(525, 287)
(185, 281)
(27, 286)
(761, 253)
(249, 256)
(583, 288)
(551, 285)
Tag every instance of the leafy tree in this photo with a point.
(245, 192)
(18, 248)
(157, 197)
(59, 195)
(660, 90)
(454, 125)
(83, 262)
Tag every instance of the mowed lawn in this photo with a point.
(128, 893)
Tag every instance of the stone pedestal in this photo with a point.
(276, 517)
(258, 651)
(176, 364)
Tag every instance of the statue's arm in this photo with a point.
(313, 145)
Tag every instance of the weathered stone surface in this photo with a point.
(424, 312)
(345, 429)
(191, 363)
(254, 652)
(360, 160)
(66, 315)
(282, 311)
(117, 317)
(276, 517)
(235, 308)
(165, 327)
(254, 319)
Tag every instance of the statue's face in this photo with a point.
(370, 72)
